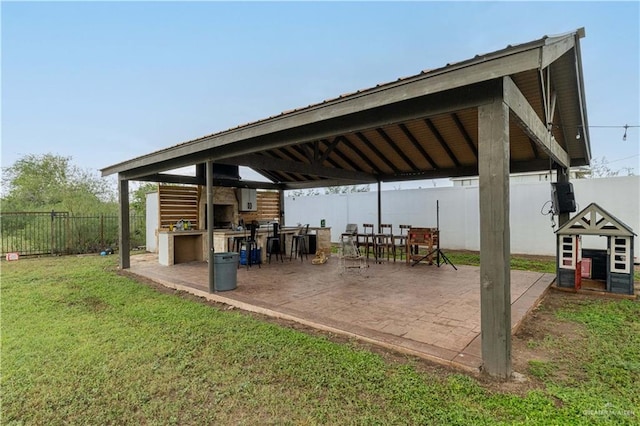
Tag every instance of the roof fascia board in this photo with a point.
(427, 84)
(555, 48)
(270, 163)
(581, 94)
(531, 123)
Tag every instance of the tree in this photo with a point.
(599, 168)
(303, 192)
(139, 197)
(51, 182)
(346, 189)
(329, 190)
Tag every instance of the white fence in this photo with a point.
(531, 231)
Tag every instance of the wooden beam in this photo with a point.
(376, 151)
(324, 155)
(531, 123)
(347, 142)
(398, 151)
(431, 174)
(442, 142)
(416, 145)
(495, 250)
(465, 134)
(343, 156)
(330, 148)
(171, 178)
(124, 239)
(197, 180)
(322, 184)
(268, 163)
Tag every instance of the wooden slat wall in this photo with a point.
(178, 202)
(268, 207)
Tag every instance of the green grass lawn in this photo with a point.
(84, 345)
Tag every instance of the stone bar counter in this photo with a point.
(191, 246)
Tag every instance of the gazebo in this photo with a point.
(513, 110)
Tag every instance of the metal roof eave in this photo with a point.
(213, 147)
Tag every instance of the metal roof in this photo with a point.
(417, 127)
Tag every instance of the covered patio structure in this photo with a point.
(518, 109)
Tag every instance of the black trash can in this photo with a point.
(226, 267)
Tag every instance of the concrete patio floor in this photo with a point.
(428, 311)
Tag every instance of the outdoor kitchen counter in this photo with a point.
(188, 246)
(181, 246)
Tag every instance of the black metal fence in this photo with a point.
(37, 233)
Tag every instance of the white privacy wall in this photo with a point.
(531, 231)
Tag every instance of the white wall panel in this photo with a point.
(531, 231)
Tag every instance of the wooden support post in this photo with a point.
(495, 297)
(210, 224)
(123, 217)
(379, 205)
(281, 200)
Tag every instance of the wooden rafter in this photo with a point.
(465, 134)
(377, 152)
(418, 146)
(361, 154)
(442, 142)
(343, 156)
(398, 151)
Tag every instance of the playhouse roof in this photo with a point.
(594, 220)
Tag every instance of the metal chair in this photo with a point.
(299, 243)
(350, 231)
(274, 243)
(400, 241)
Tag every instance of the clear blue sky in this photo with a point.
(106, 82)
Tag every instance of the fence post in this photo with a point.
(53, 215)
(67, 233)
(101, 231)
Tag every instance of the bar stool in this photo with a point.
(299, 243)
(383, 242)
(366, 239)
(236, 243)
(251, 244)
(274, 243)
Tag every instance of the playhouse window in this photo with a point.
(620, 252)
